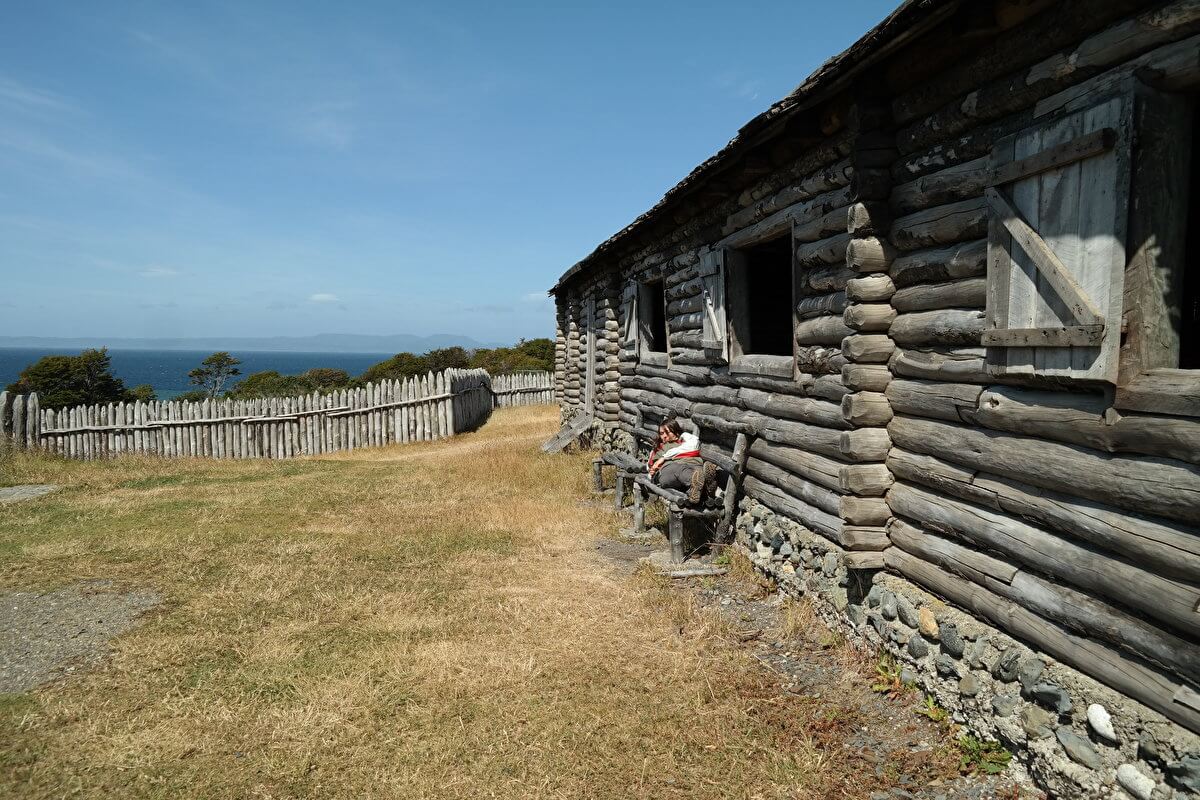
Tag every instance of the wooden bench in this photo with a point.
(687, 527)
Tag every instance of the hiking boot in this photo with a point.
(703, 483)
(711, 472)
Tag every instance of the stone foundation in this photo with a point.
(1076, 737)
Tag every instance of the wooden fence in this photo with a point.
(523, 388)
(417, 409)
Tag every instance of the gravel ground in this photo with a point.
(14, 494)
(44, 635)
(892, 735)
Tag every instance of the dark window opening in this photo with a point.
(766, 327)
(1189, 322)
(652, 310)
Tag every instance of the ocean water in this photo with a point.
(166, 370)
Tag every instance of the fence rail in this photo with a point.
(422, 408)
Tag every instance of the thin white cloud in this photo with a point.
(322, 297)
(15, 93)
(158, 272)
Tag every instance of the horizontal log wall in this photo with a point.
(422, 408)
(1040, 508)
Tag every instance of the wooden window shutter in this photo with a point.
(1058, 201)
(715, 333)
(630, 328)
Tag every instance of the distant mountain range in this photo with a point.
(318, 343)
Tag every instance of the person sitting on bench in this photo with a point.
(675, 463)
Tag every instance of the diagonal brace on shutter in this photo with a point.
(710, 312)
(1046, 262)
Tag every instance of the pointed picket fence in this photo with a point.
(523, 388)
(418, 409)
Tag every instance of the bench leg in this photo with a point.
(675, 533)
(597, 475)
(639, 509)
(619, 494)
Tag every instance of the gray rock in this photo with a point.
(878, 623)
(917, 648)
(15, 494)
(1148, 749)
(1030, 673)
(794, 558)
(1186, 772)
(969, 685)
(906, 613)
(1079, 748)
(856, 615)
(1006, 667)
(1133, 781)
(952, 642)
(887, 604)
(1051, 696)
(806, 555)
(896, 636)
(786, 549)
(829, 564)
(907, 676)
(945, 666)
(975, 652)
(1036, 722)
(1003, 705)
(777, 542)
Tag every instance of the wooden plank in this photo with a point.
(1071, 336)
(1060, 155)
(1045, 260)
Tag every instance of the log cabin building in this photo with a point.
(949, 288)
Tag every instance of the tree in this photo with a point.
(325, 378)
(143, 392)
(401, 365)
(62, 381)
(213, 371)
(532, 354)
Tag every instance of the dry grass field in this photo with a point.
(428, 621)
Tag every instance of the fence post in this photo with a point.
(18, 422)
(33, 423)
(5, 420)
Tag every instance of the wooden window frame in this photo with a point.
(1149, 379)
(647, 356)
(762, 365)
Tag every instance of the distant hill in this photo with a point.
(317, 343)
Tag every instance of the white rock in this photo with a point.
(1101, 722)
(1134, 782)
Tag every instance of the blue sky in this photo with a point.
(270, 168)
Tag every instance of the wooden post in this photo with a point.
(18, 422)
(33, 422)
(5, 423)
(639, 508)
(741, 447)
(675, 533)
